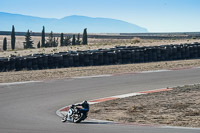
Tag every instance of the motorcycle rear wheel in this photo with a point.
(78, 118)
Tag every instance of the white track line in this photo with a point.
(155, 71)
(127, 95)
(96, 76)
(177, 127)
(17, 83)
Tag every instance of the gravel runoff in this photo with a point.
(179, 107)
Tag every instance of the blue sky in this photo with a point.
(155, 15)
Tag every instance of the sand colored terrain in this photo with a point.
(179, 107)
(93, 44)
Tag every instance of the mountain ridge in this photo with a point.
(72, 24)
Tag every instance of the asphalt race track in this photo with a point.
(31, 107)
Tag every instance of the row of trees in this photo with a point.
(50, 42)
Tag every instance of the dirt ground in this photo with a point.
(179, 107)
(16, 76)
(93, 44)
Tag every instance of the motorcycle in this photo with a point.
(74, 115)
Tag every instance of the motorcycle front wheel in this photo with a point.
(64, 119)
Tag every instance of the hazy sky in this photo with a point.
(155, 15)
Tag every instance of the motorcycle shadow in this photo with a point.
(96, 122)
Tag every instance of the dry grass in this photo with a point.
(179, 107)
(192, 113)
(135, 40)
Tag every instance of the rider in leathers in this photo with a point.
(84, 107)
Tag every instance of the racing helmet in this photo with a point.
(85, 102)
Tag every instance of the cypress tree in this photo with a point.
(28, 43)
(78, 42)
(55, 42)
(13, 38)
(67, 41)
(74, 40)
(38, 45)
(43, 37)
(85, 42)
(5, 44)
(50, 41)
(62, 39)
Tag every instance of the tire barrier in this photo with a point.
(117, 55)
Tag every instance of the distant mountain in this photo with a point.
(70, 24)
